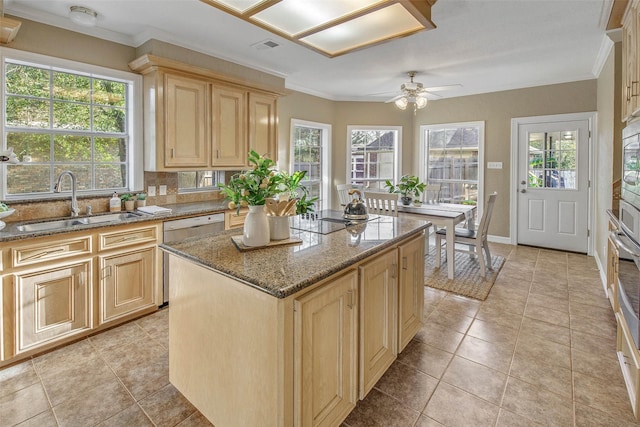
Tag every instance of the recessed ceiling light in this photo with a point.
(83, 16)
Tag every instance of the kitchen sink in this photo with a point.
(61, 224)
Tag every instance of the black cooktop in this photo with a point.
(323, 222)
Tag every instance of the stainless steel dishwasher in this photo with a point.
(180, 229)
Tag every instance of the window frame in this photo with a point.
(326, 154)
(135, 170)
(423, 161)
(397, 154)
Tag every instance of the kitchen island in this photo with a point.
(292, 335)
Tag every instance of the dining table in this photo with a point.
(444, 215)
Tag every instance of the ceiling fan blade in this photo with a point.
(439, 88)
(394, 98)
(426, 92)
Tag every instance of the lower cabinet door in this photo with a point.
(378, 318)
(410, 290)
(126, 283)
(326, 321)
(52, 304)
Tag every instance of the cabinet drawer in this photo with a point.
(233, 219)
(629, 361)
(122, 238)
(51, 250)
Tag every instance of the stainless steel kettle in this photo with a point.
(355, 210)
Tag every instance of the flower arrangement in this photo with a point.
(254, 186)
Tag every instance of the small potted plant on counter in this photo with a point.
(408, 187)
(141, 200)
(129, 202)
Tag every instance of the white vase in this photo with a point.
(279, 227)
(256, 227)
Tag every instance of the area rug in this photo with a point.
(467, 281)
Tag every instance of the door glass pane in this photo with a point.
(552, 160)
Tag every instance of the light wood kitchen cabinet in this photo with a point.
(326, 349)
(612, 270)
(58, 288)
(629, 360)
(127, 283)
(410, 290)
(229, 126)
(263, 125)
(197, 119)
(630, 62)
(235, 219)
(378, 318)
(52, 303)
(186, 138)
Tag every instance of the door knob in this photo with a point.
(523, 182)
(523, 191)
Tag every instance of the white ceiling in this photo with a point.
(484, 45)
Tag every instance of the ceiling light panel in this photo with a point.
(298, 16)
(238, 5)
(390, 22)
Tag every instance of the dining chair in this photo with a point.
(431, 194)
(475, 239)
(343, 192)
(381, 203)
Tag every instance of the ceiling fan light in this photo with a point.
(402, 103)
(421, 102)
(83, 16)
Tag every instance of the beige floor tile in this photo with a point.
(598, 300)
(500, 312)
(378, 409)
(156, 322)
(433, 296)
(439, 336)
(428, 359)
(495, 356)
(61, 359)
(590, 417)
(44, 419)
(518, 284)
(459, 305)
(476, 379)
(452, 320)
(602, 365)
(539, 372)
(540, 312)
(546, 330)
(499, 305)
(75, 380)
(509, 419)
(537, 403)
(558, 304)
(408, 385)
(587, 310)
(609, 396)
(596, 326)
(94, 405)
(594, 343)
(167, 407)
(550, 289)
(549, 351)
(17, 377)
(131, 416)
(425, 421)
(196, 420)
(492, 332)
(23, 404)
(452, 406)
(118, 337)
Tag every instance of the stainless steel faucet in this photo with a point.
(74, 201)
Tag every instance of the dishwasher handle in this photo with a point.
(197, 221)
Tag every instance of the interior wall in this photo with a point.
(496, 110)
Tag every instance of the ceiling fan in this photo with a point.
(416, 92)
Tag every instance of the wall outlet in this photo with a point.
(494, 165)
(151, 191)
(163, 190)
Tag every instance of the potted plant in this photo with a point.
(141, 199)
(408, 187)
(129, 202)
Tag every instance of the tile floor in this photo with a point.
(539, 351)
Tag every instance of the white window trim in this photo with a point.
(397, 157)
(423, 165)
(135, 129)
(326, 154)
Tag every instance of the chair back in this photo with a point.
(381, 203)
(431, 194)
(483, 228)
(343, 192)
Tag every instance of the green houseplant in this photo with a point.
(408, 187)
(141, 199)
(129, 202)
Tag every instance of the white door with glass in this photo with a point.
(553, 184)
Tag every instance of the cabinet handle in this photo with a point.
(404, 262)
(634, 91)
(394, 270)
(350, 305)
(81, 278)
(217, 153)
(44, 253)
(628, 93)
(173, 153)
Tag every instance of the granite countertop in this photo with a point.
(284, 270)
(11, 232)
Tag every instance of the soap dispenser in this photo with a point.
(115, 204)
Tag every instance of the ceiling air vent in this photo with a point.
(265, 44)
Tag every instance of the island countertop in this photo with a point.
(284, 270)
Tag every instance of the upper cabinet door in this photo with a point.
(186, 122)
(263, 125)
(229, 120)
